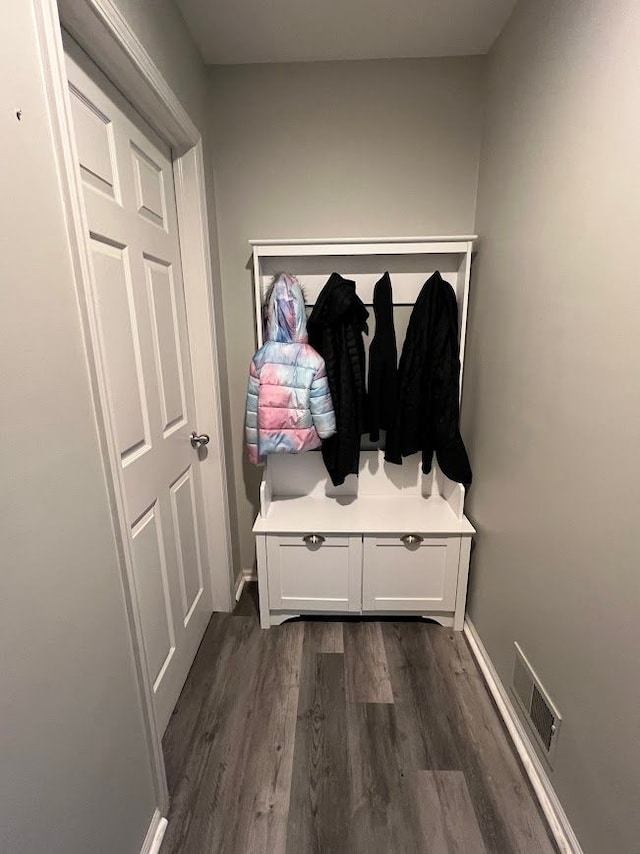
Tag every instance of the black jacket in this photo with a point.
(383, 363)
(335, 330)
(428, 377)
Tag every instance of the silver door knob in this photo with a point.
(196, 440)
(313, 539)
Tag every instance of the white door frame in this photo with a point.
(105, 35)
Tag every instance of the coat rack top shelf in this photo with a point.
(409, 260)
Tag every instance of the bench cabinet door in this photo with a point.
(409, 573)
(314, 572)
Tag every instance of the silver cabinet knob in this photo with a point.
(313, 539)
(412, 539)
(196, 440)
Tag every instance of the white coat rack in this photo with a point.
(391, 540)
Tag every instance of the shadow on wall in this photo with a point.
(251, 477)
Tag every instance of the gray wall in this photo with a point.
(552, 391)
(333, 150)
(75, 774)
(162, 30)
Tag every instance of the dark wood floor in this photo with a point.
(357, 737)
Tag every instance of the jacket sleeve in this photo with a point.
(251, 420)
(374, 392)
(321, 405)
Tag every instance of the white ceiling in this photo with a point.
(241, 31)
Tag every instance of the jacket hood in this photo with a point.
(338, 301)
(286, 317)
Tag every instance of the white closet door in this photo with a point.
(143, 340)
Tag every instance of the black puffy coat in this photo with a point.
(335, 329)
(427, 417)
(382, 387)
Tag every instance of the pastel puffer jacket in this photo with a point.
(289, 407)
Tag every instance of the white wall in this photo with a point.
(551, 403)
(332, 150)
(75, 775)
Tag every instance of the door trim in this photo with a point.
(105, 35)
(103, 32)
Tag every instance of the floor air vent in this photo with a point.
(541, 715)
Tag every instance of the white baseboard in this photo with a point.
(242, 578)
(155, 834)
(561, 829)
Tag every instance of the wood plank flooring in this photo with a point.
(341, 737)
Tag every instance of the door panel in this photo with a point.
(152, 587)
(187, 540)
(121, 347)
(94, 140)
(130, 205)
(149, 185)
(167, 346)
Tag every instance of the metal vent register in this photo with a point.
(539, 711)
